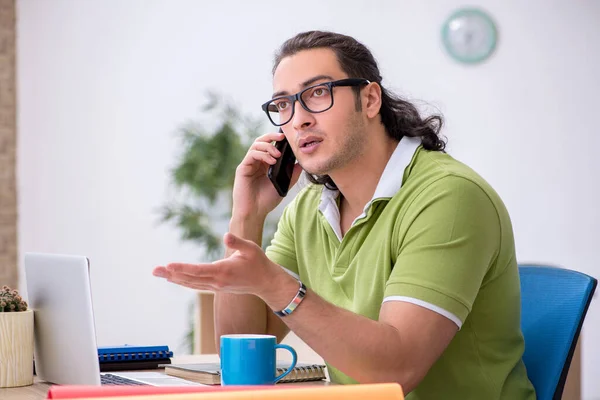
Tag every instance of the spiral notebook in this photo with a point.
(128, 357)
(133, 353)
(210, 373)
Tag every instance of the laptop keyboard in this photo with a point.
(110, 379)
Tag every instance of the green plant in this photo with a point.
(10, 300)
(204, 173)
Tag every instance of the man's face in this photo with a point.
(328, 141)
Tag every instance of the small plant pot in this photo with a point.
(16, 348)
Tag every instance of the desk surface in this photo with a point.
(39, 389)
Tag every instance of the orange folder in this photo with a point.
(378, 391)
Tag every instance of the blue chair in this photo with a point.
(554, 302)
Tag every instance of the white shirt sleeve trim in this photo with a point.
(428, 306)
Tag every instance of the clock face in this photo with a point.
(469, 35)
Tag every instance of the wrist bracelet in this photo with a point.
(295, 301)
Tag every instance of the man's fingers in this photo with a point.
(262, 156)
(161, 272)
(199, 277)
(267, 148)
(270, 137)
(194, 270)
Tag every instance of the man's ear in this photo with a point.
(372, 99)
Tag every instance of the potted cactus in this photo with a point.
(16, 340)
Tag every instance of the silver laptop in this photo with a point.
(59, 292)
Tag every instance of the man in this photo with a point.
(408, 255)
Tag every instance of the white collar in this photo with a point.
(389, 184)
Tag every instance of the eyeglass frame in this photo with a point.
(298, 96)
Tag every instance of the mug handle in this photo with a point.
(294, 359)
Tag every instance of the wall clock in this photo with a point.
(469, 35)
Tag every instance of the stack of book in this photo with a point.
(210, 373)
(128, 358)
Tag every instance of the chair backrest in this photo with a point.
(554, 302)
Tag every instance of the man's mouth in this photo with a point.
(311, 143)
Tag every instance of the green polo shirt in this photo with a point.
(436, 235)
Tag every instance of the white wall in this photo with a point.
(104, 84)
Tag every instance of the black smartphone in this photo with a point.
(280, 173)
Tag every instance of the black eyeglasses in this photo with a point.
(314, 99)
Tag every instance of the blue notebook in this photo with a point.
(133, 353)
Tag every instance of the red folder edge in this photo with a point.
(81, 391)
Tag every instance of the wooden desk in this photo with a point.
(39, 389)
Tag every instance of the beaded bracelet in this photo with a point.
(294, 303)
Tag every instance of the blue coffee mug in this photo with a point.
(251, 359)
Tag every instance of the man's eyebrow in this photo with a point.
(306, 83)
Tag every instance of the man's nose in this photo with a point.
(302, 119)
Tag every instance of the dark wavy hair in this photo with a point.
(400, 117)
